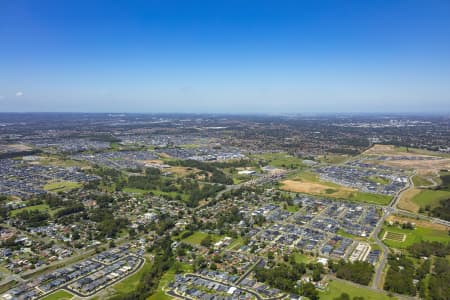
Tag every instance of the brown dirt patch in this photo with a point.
(315, 188)
(420, 223)
(154, 161)
(428, 164)
(15, 147)
(406, 202)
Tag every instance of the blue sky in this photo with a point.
(225, 56)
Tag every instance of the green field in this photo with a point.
(279, 160)
(430, 198)
(154, 192)
(414, 236)
(59, 295)
(34, 207)
(378, 179)
(165, 280)
(336, 288)
(420, 181)
(333, 158)
(197, 237)
(302, 258)
(236, 244)
(370, 198)
(61, 186)
(422, 151)
(130, 284)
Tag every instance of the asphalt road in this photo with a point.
(386, 212)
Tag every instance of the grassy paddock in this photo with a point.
(430, 198)
(420, 181)
(40, 207)
(164, 282)
(197, 237)
(336, 288)
(61, 186)
(413, 236)
(280, 160)
(310, 183)
(129, 284)
(59, 295)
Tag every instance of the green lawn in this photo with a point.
(280, 160)
(414, 236)
(380, 180)
(165, 280)
(309, 176)
(130, 284)
(197, 237)
(333, 158)
(59, 295)
(302, 258)
(422, 151)
(370, 198)
(336, 288)
(34, 207)
(60, 186)
(430, 197)
(135, 191)
(155, 192)
(236, 244)
(420, 181)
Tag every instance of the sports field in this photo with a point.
(394, 236)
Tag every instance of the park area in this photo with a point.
(401, 238)
(336, 287)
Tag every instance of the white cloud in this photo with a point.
(1, 97)
(19, 94)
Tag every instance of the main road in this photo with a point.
(386, 212)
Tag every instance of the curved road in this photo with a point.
(258, 296)
(388, 210)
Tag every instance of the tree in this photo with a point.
(207, 241)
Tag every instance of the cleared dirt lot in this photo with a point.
(406, 202)
(426, 162)
(316, 188)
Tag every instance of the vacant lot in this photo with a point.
(337, 287)
(61, 186)
(164, 282)
(430, 198)
(420, 223)
(279, 160)
(130, 284)
(406, 201)
(309, 183)
(427, 162)
(59, 295)
(419, 180)
(413, 236)
(40, 207)
(197, 237)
